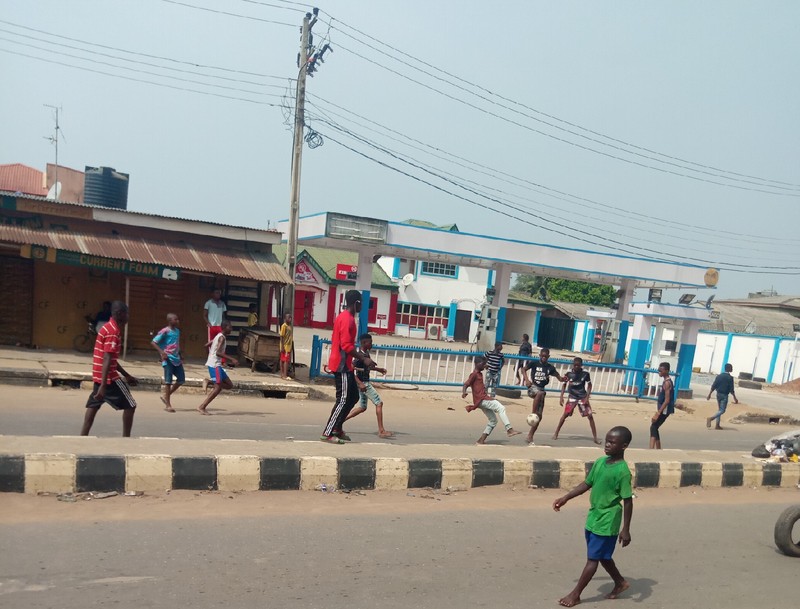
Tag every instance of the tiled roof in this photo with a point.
(327, 259)
(17, 177)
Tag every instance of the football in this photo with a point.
(532, 419)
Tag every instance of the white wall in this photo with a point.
(519, 321)
(430, 289)
(384, 300)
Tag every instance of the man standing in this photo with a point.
(723, 385)
(340, 363)
(214, 312)
(107, 373)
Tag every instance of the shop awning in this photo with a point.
(220, 261)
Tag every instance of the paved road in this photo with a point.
(57, 411)
(477, 549)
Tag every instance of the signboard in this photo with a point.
(303, 273)
(381, 317)
(713, 315)
(346, 272)
(128, 267)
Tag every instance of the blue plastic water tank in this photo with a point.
(106, 187)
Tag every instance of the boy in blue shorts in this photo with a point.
(366, 391)
(216, 356)
(611, 505)
(168, 344)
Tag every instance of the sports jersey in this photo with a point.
(169, 341)
(576, 383)
(109, 341)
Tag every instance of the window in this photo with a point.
(419, 316)
(439, 268)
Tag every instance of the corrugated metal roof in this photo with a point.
(787, 302)
(42, 197)
(17, 177)
(425, 224)
(745, 319)
(177, 254)
(327, 259)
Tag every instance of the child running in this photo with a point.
(216, 355)
(665, 405)
(168, 344)
(494, 364)
(366, 391)
(580, 390)
(541, 371)
(480, 399)
(611, 505)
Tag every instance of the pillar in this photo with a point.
(640, 343)
(625, 298)
(686, 357)
(502, 285)
(727, 353)
(535, 338)
(451, 320)
(363, 285)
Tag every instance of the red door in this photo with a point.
(303, 308)
(372, 317)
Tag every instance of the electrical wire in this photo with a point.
(149, 82)
(229, 14)
(557, 138)
(527, 107)
(140, 54)
(558, 194)
(415, 164)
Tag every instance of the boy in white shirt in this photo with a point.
(216, 355)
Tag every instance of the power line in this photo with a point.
(558, 194)
(127, 59)
(149, 82)
(160, 57)
(557, 138)
(229, 14)
(503, 213)
(535, 110)
(138, 71)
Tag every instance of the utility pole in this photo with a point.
(297, 158)
(54, 139)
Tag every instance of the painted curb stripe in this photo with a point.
(547, 474)
(487, 472)
(647, 475)
(732, 474)
(772, 474)
(194, 473)
(12, 474)
(100, 473)
(424, 473)
(279, 474)
(691, 474)
(356, 474)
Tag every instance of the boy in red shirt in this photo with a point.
(480, 399)
(107, 373)
(340, 363)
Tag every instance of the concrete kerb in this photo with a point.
(63, 473)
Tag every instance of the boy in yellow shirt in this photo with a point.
(287, 345)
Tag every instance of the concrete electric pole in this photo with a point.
(297, 158)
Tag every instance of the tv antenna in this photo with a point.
(53, 139)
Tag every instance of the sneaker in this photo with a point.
(344, 436)
(331, 439)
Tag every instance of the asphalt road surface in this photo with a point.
(416, 418)
(484, 548)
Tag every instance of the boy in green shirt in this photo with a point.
(611, 506)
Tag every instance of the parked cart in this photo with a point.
(260, 346)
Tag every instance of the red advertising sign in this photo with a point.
(303, 273)
(346, 272)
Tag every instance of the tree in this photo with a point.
(566, 290)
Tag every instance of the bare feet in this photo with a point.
(169, 409)
(597, 441)
(203, 411)
(513, 432)
(481, 442)
(555, 437)
(386, 434)
(569, 601)
(618, 589)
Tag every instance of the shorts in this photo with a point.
(369, 393)
(213, 331)
(600, 547)
(177, 370)
(535, 390)
(583, 407)
(118, 396)
(286, 357)
(217, 374)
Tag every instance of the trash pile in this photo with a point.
(780, 449)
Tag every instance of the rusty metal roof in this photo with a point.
(17, 177)
(177, 254)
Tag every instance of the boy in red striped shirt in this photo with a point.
(107, 374)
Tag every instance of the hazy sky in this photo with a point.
(707, 91)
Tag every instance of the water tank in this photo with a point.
(106, 187)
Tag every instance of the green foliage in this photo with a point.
(566, 290)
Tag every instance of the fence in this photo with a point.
(446, 368)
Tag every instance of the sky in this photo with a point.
(666, 130)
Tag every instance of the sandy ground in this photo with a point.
(19, 508)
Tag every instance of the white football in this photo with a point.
(532, 419)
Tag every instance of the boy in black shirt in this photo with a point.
(541, 371)
(580, 390)
(365, 389)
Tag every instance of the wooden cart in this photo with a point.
(260, 346)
